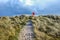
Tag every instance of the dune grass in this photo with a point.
(47, 27)
(11, 26)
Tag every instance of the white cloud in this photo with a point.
(40, 4)
(21, 1)
(4, 1)
(27, 2)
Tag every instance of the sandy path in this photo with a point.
(27, 32)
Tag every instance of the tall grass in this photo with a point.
(11, 26)
(47, 27)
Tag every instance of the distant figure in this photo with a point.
(33, 13)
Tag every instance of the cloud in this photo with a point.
(27, 2)
(46, 6)
(14, 7)
(44, 3)
(4, 1)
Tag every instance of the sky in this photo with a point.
(19, 7)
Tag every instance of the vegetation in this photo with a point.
(11, 26)
(47, 27)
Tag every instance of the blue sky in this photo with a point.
(40, 7)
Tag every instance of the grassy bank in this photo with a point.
(47, 27)
(11, 26)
